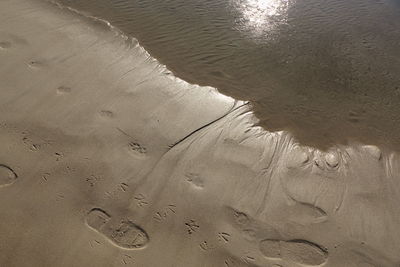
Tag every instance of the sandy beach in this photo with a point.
(108, 159)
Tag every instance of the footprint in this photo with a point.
(241, 218)
(125, 234)
(271, 249)
(64, 90)
(332, 160)
(298, 251)
(374, 151)
(137, 148)
(33, 146)
(305, 213)
(191, 226)
(355, 116)
(97, 218)
(5, 45)
(36, 64)
(248, 228)
(7, 176)
(298, 157)
(130, 236)
(318, 182)
(329, 161)
(195, 180)
(106, 114)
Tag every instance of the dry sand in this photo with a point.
(107, 159)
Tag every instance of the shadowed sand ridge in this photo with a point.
(110, 160)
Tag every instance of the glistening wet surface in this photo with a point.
(109, 160)
(328, 71)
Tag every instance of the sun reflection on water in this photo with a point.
(261, 17)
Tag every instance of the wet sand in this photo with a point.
(327, 71)
(107, 159)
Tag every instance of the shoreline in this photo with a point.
(108, 159)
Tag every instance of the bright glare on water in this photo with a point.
(262, 16)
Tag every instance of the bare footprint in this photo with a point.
(298, 251)
(124, 234)
(7, 176)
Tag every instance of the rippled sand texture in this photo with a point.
(329, 71)
(107, 159)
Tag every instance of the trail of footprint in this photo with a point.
(125, 234)
(298, 251)
(7, 176)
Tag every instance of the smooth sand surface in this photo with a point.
(107, 159)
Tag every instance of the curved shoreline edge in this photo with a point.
(96, 134)
(129, 39)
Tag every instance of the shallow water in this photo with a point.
(327, 70)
